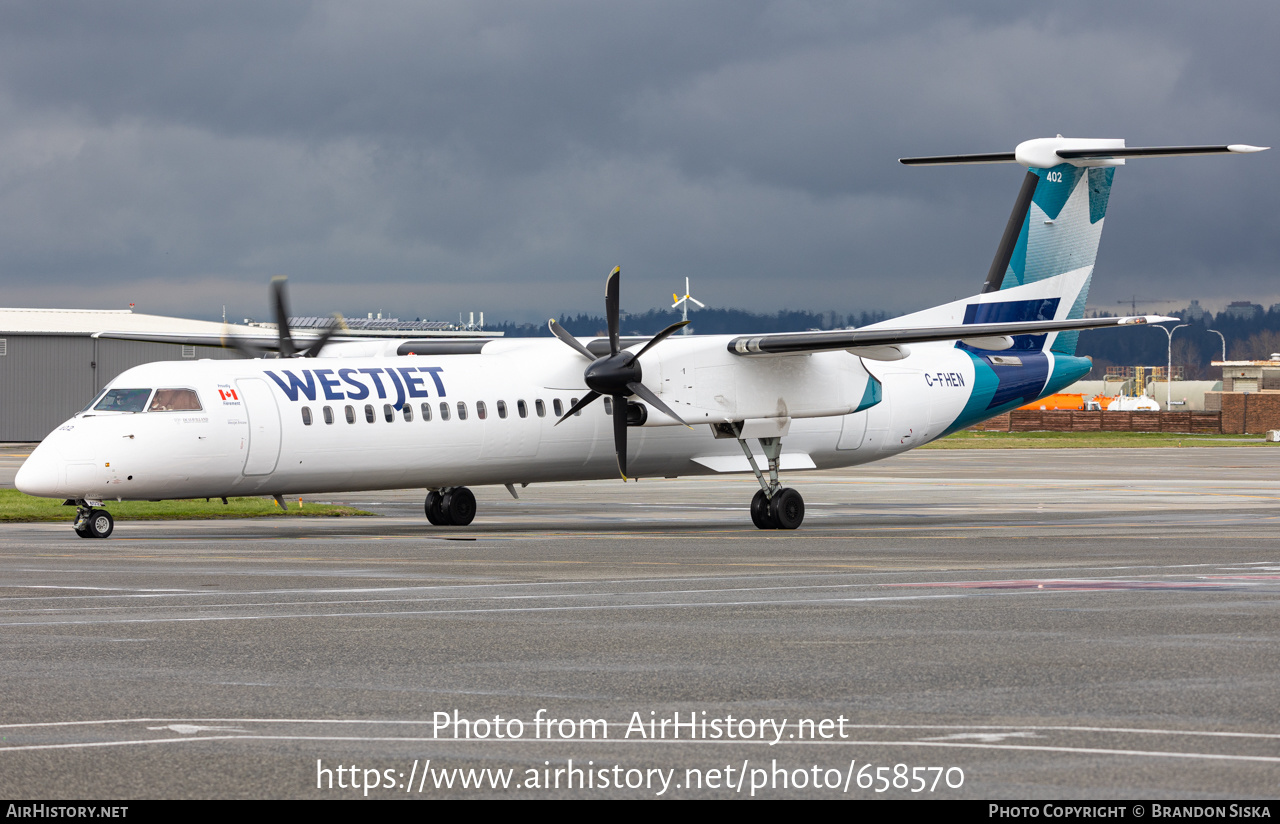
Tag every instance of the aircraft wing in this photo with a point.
(996, 336)
(267, 340)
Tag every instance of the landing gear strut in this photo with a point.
(452, 506)
(774, 506)
(92, 523)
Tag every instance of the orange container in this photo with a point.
(1062, 400)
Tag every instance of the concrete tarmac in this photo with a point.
(1039, 624)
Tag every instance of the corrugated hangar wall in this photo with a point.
(45, 379)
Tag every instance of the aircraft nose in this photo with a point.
(40, 475)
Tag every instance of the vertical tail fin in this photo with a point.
(1056, 224)
(1054, 230)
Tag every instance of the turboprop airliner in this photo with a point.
(331, 414)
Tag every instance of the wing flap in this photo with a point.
(738, 463)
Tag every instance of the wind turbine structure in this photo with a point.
(683, 303)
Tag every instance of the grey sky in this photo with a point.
(429, 158)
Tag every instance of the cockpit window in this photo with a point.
(175, 400)
(123, 400)
(91, 403)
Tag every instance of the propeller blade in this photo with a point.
(287, 347)
(612, 287)
(314, 349)
(563, 334)
(658, 338)
(246, 349)
(620, 432)
(591, 395)
(643, 391)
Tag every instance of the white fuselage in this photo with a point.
(251, 435)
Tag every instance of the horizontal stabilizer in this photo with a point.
(796, 343)
(1157, 151)
(952, 160)
(1048, 152)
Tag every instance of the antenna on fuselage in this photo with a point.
(683, 303)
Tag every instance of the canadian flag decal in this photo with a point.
(228, 394)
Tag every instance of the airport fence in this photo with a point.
(1065, 420)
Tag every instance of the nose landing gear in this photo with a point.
(91, 522)
(452, 506)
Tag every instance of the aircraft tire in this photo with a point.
(787, 509)
(760, 514)
(435, 516)
(82, 531)
(100, 524)
(459, 506)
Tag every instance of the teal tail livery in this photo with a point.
(337, 413)
(1044, 264)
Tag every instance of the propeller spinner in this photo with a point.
(618, 374)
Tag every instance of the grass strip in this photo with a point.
(968, 439)
(17, 507)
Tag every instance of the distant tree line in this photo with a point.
(703, 322)
(1247, 338)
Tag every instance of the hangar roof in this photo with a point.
(123, 324)
(91, 321)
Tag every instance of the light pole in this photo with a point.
(1224, 342)
(1168, 371)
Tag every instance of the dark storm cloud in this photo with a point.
(427, 158)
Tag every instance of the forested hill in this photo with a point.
(703, 322)
(1193, 346)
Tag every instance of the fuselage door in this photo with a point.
(852, 430)
(264, 426)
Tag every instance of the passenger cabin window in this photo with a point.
(502, 409)
(306, 416)
(351, 414)
(482, 411)
(175, 400)
(522, 409)
(407, 411)
(557, 407)
(426, 411)
(369, 414)
(328, 414)
(540, 407)
(608, 405)
(123, 400)
(388, 412)
(462, 410)
(444, 410)
(572, 403)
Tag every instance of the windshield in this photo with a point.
(90, 404)
(123, 400)
(173, 400)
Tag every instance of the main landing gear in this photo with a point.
(774, 506)
(91, 522)
(452, 506)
